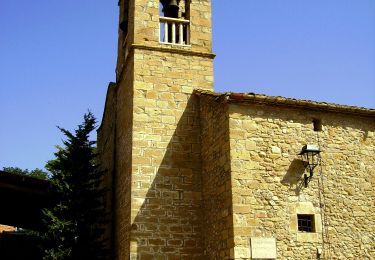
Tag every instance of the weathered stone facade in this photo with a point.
(150, 139)
(216, 180)
(265, 169)
(198, 175)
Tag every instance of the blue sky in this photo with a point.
(57, 57)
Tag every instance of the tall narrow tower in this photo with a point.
(149, 138)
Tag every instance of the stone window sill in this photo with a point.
(308, 237)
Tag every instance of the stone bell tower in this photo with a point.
(149, 138)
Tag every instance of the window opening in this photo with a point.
(174, 21)
(125, 19)
(306, 223)
(317, 123)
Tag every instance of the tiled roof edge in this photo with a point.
(253, 98)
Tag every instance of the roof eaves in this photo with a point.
(253, 98)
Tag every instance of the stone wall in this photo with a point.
(198, 179)
(106, 150)
(146, 27)
(268, 191)
(124, 160)
(166, 175)
(125, 39)
(216, 180)
(156, 168)
(166, 163)
(115, 148)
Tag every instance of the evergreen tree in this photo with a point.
(75, 223)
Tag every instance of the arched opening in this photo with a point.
(317, 124)
(125, 18)
(174, 21)
(175, 8)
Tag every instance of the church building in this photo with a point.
(195, 174)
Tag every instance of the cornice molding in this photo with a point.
(173, 49)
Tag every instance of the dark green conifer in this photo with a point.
(75, 222)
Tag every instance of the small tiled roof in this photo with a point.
(252, 98)
(22, 199)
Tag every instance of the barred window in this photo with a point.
(306, 223)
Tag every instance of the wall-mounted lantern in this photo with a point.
(311, 158)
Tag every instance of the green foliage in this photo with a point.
(36, 173)
(74, 225)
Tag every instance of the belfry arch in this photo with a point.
(175, 8)
(174, 22)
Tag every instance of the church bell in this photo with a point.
(170, 8)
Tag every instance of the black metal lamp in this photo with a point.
(311, 158)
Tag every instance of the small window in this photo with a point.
(317, 123)
(124, 18)
(306, 223)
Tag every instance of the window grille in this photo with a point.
(306, 223)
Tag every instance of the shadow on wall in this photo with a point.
(169, 212)
(294, 176)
